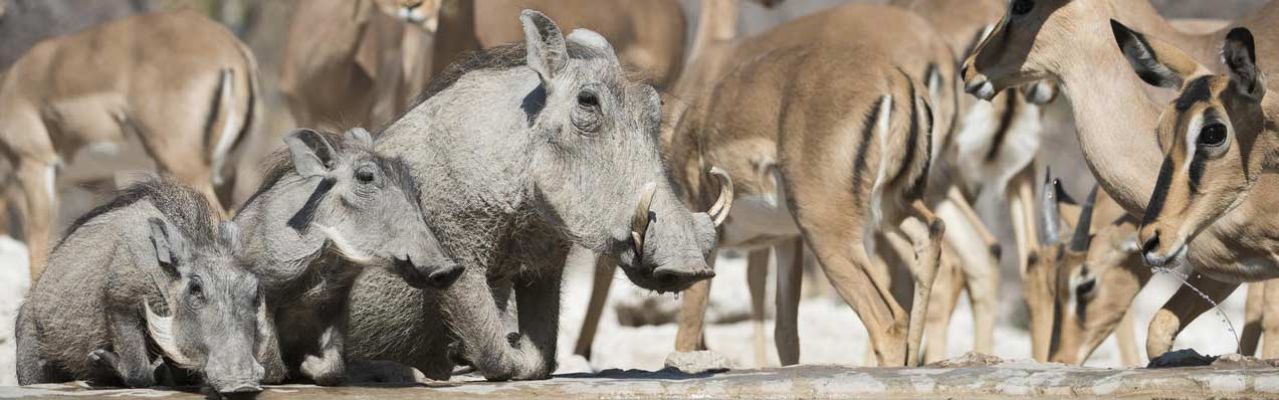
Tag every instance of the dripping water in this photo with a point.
(1216, 306)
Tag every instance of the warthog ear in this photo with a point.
(310, 151)
(1156, 62)
(594, 41)
(547, 52)
(169, 245)
(1240, 54)
(361, 136)
(229, 232)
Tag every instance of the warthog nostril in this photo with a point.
(670, 275)
(443, 277)
(1151, 244)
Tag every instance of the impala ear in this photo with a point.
(547, 51)
(1156, 62)
(1240, 54)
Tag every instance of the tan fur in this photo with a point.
(647, 35)
(95, 87)
(362, 70)
(1107, 99)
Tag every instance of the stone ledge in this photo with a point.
(1008, 380)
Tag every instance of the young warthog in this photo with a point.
(331, 202)
(530, 149)
(150, 264)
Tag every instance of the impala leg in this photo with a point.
(961, 203)
(790, 278)
(1270, 320)
(1126, 337)
(604, 271)
(1181, 309)
(756, 275)
(37, 181)
(691, 335)
(847, 266)
(925, 232)
(980, 267)
(1250, 337)
(1035, 289)
(949, 285)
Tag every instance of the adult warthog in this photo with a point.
(156, 249)
(329, 206)
(530, 149)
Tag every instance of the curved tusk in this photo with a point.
(639, 221)
(724, 204)
(161, 330)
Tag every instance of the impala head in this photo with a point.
(1029, 39)
(1094, 287)
(1214, 136)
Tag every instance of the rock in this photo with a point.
(698, 362)
(1241, 361)
(1181, 358)
(970, 359)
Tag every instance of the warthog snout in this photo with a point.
(682, 275)
(437, 275)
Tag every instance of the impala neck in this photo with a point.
(717, 22)
(1116, 120)
(1143, 17)
(457, 24)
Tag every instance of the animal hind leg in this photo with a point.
(848, 266)
(925, 232)
(37, 181)
(790, 278)
(940, 309)
(605, 269)
(756, 275)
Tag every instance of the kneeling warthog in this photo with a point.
(152, 264)
(530, 149)
(329, 202)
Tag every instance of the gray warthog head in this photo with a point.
(599, 169)
(365, 207)
(216, 310)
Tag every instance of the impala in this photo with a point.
(181, 83)
(1059, 39)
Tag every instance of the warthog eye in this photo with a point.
(1212, 135)
(588, 99)
(1022, 7)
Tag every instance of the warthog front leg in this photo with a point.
(471, 311)
(130, 361)
(327, 367)
(538, 303)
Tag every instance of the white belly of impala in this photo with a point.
(758, 221)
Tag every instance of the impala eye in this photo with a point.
(1212, 135)
(1021, 7)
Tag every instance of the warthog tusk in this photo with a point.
(724, 204)
(161, 330)
(639, 221)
